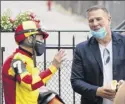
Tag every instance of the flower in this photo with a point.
(9, 24)
(32, 15)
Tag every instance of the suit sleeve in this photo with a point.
(78, 78)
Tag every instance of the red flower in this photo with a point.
(32, 15)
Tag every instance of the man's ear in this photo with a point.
(110, 18)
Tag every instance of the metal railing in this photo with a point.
(1, 88)
(121, 25)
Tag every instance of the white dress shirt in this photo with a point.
(107, 69)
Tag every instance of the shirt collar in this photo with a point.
(25, 52)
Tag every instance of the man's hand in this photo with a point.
(59, 57)
(106, 93)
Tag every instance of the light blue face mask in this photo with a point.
(100, 34)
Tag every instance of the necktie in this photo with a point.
(106, 56)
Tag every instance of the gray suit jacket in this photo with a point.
(87, 68)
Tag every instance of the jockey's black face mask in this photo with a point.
(38, 46)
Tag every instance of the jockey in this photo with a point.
(20, 76)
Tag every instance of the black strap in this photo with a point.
(26, 31)
(33, 49)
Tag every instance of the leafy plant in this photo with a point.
(6, 24)
(10, 24)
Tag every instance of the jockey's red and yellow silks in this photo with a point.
(23, 88)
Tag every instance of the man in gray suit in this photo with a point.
(99, 60)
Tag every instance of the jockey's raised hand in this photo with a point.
(59, 58)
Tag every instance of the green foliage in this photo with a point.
(21, 17)
(6, 25)
(10, 24)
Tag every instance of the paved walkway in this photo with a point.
(58, 18)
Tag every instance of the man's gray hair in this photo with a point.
(96, 7)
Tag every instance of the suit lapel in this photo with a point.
(96, 53)
(116, 43)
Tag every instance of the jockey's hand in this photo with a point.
(59, 58)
